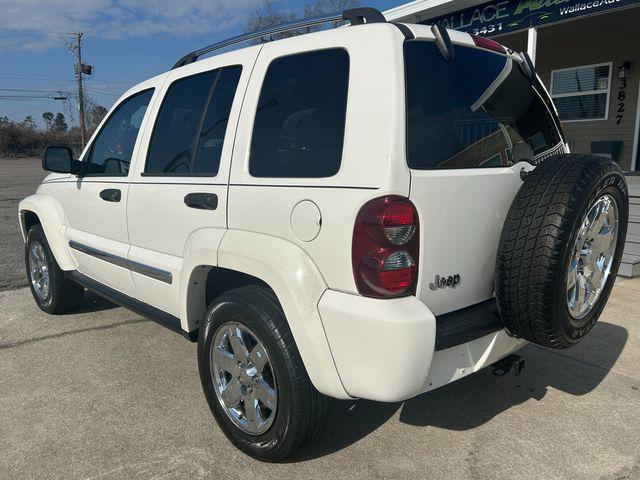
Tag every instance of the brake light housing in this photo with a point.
(385, 247)
(487, 44)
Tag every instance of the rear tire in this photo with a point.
(53, 292)
(553, 272)
(298, 413)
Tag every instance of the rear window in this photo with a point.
(477, 111)
(299, 125)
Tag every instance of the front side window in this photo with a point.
(479, 110)
(582, 93)
(189, 131)
(299, 125)
(112, 148)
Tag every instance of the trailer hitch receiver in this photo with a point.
(512, 363)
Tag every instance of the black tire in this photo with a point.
(63, 294)
(537, 244)
(301, 410)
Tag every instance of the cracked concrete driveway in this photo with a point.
(104, 393)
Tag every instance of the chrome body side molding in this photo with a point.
(147, 270)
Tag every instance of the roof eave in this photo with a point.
(417, 10)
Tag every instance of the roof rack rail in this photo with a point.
(356, 16)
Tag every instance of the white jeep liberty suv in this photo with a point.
(371, 211)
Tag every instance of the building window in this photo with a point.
(582, 93)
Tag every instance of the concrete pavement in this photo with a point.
(19, 177)
(105, 394)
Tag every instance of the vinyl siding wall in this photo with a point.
(612, 37)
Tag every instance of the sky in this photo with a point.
(126, 42)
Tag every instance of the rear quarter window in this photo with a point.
(300, 118)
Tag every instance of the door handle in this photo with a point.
(111, 195)
(201, 200)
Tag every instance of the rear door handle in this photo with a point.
(201, 200)
(111, 195)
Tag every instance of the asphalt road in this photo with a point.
(105, 394)
(18, 178)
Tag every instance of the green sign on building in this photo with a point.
(497, 17)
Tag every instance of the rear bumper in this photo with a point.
(385, 350)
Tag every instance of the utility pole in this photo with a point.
(79, 66)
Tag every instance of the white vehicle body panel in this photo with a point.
(371, 158)
(482, 196)
(100, 225)
(299, 285)
(351, 346)
(166, 245)
(47, 203)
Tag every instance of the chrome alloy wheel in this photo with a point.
(592, 256)
(243, 378)
(39, 270)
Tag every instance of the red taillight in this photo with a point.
(488, 44)
(385, 248)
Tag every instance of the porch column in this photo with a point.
(532, 43)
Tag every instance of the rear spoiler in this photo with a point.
(527, 66)
(445, 45)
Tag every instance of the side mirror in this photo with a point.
(59, 159)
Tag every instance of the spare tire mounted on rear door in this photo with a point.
(560, 249)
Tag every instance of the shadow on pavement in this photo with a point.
(92, 303)
(476, 399)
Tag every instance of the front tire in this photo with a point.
(253, 376)
(53, 292)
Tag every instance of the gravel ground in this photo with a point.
(19, 177)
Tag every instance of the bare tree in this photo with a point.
(324, 7)
(29, 123)
(265, 15)
(59, 123)
(97, 113)
(48, 119)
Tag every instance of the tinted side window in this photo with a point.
(176, 131)
(190, 128)
(214, 125)
(113, 146)
(299, 125)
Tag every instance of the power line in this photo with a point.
(25, 97)
(26, 30)
(30, 90)
(46, 79)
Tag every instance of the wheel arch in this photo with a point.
(249, 258)
(46, 211)
(206, 282)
